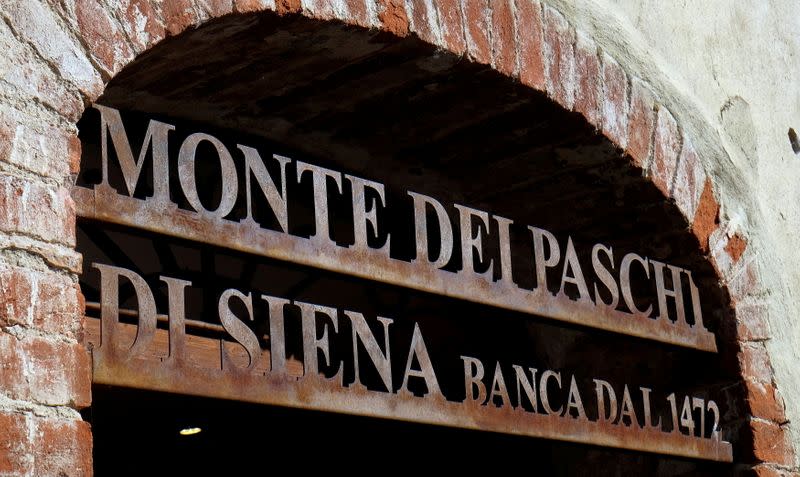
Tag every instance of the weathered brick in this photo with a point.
(451, 22)
(667, 147)
(40, 151)
(530, 48)
(721, 260)
(745, 281)
(58, 308)
(63, 448)
(74, 150)
(477, 26)
(16, 296)
(424, 22)
(53, 373)
(179, 15)
(103, 36)
(752, 322)
(141, 22)
(323, 9)
(8, 134)
(504, 51)
(761, 470)
(31, 77)
(361, 12)
(559, 58)
(245, 6)
(771, 470)
(764, 401)
(706, 217)
(16, 458)
(38, 24)
(689, 181)
(771, 443)
(615, 102)
(391, 14)
(641, 121)
(755, 363)
(736, 247)
(13, 381)
(215, 8)
(317, 8)
(59, 373)
(587, 79)
(32, 208)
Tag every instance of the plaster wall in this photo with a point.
(724, 68)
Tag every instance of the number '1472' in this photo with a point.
(686, 419)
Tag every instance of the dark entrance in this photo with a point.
(137, 433)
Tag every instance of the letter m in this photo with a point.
(155, 139)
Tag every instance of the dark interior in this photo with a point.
(137, 433)
(400, 112)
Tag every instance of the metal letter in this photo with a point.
(237, 329)
(601, 388)
(425, 372)
(542, 263)
(156, 135)
(543, 391)
(571, 263)
(421, 230)
(473, 379)
(363, 214)
(627, 409)
(498, 387)
(574, 401)
(319, 177)
(528, 386)
(503, 236)
(470, 242)
(277, 335)
(177, 317)
(604, 275)
(253, 164)
(381, 360)
(696, 309)
(625, 282)
(109, 313)
(186, 174)
(308, 317)
(676, 292)
(648, 420)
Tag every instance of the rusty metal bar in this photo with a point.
(192, 324)
(106, 205)
(158, 372)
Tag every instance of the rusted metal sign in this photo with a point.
(535, 402)
(621, 311)
(233, 357)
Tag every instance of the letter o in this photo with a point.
(186, 174)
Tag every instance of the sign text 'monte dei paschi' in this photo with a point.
(469, 258)
(603, 297)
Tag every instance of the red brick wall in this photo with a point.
(60, 54)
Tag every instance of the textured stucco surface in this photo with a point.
(725, 68)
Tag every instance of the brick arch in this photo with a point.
(69, 51)
(526, 40)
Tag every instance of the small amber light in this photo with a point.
(190, 431)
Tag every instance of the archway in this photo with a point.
(524, 40)
(373, 104)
